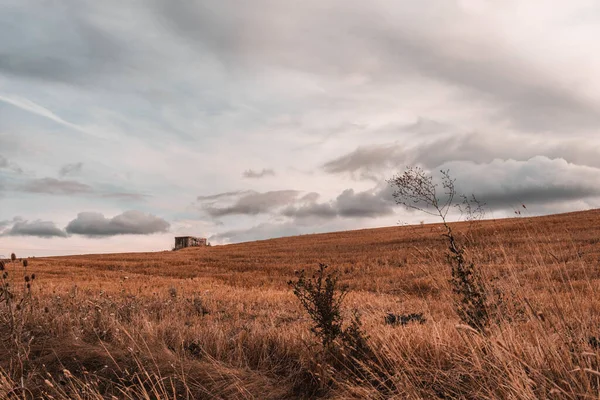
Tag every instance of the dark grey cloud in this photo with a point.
(376, 162)
(536, 195)
(366, 204)
(70, 169)
(56, 186)
(502, 184)
(258, 174)
(3, 161)
(538, 183)
(366, 162)
(373, 203)
(94, 224)
(249, 203)
(482, 148)
(38, 228)
(311, 210)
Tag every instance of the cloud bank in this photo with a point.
(38, 228)
(129, 223)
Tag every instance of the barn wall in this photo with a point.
(189, 241)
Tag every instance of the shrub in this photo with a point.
(346, 349)
(415, 189)
(321, 296)
(467, 285)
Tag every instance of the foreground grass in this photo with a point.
(221, 322)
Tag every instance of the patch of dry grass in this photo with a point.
(221, 322)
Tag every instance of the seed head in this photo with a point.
(25, 263)
(27, 279)
(1, 265)
(13, 257)
(32, 277)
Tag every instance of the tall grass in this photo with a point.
(221, 322)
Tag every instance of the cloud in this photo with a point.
(366, 204)
(539, 180)
(294, 227)
(4, 224)
(70, 169)
(56, 186)
(426, 126)
(386, 42)
(484, 148)
(74, 49)
(223, 195)
(377, 162)
(94, 224)
(249, 202)
(38, 228)
(523, 94)
(259, 232)
(366, 161)
(11, 166)
(41, 111)
(373, 203)
(124, 196)
(258, 174)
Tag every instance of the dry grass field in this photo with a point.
(221, 322)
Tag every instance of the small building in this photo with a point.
(181, 242)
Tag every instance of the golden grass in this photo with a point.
(221, 322)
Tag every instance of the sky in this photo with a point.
(126, 123)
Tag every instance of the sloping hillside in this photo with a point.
(222, 322)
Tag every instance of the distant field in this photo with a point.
(221, 321)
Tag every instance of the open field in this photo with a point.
(222, 322)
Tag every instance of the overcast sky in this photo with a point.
(125, 123)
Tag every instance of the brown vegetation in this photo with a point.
(222, 322)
